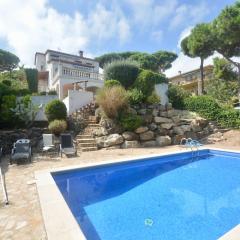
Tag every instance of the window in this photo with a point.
(41, 67)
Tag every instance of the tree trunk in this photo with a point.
(201, 80)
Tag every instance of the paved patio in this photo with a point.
(22, 218)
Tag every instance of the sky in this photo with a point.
(102, 26)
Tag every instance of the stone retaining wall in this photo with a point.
(162, 126)
(7, 138)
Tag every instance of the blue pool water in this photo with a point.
(175, 197)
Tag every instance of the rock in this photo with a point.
(172, 113)
(149, 135)
(176, 119)
(162, 108)
(100, 141)
(162, 131)
(110, 125)
(155, 112)
(149, 143)
(100, 132)
(98, 113)
(142, 111)
(113, 139)
(168, 106)
(163, 114)
(147, 118)
(129, 136)
(141, 129)
(162, 120)
(191, 135)
(200, 135)
(202, 122)
(195, 126)
(163, 141)
(153, 126)
(131, 144)
(167, 125)
(177, 139)
(180, 130)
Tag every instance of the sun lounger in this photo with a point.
(66, 145)
(21, 150)
(48, 143)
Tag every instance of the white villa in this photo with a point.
(63, 72)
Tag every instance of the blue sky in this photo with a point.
(101, 26)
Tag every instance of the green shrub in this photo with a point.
(111, 83)
(229, 118)
(43, 93)
(153, 98)
(177, 96)
(7, 82)
(8, 103)
(135, 96)
(56, 110)
(206, 106)
(112, 100)
(146, 81)
(57, 126)
(52, 92)
(130, 122)
(124, 71)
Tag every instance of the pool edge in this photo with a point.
(58, 219)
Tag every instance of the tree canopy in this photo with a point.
(199, 44)
(158, 61)
(8, 61)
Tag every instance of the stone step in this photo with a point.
(94, 125)
(84, 136)
(83, 145)
(88, 149)
(88, 140)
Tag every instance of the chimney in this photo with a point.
(81, 53)
(179, 72)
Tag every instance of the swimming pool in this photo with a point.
(169, 197)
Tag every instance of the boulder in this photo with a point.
(167, 125)
(163, 141)
(131, 144)
(172, 113)
(176, 119)
(141, 129)
(129, 136)
(196, 126)
(100, 141)
(155, 112)
(100, 132)
(142, 111)
(182, 129)
(113, 139)
(177, 139)
(162, 131)
(149, 143)
(149, 135)
(147, 118)
(202, 122)
(153, 126)
(168, 106)
(162, 120)
(163, 114)
(110, 125)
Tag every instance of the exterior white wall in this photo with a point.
(43, 101)
(162, 92)
(76, 100)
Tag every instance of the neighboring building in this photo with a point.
(62, 72)
(189, 80)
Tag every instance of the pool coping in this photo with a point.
(58, 219)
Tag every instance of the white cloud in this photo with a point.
(186, 13)
(29, 26)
